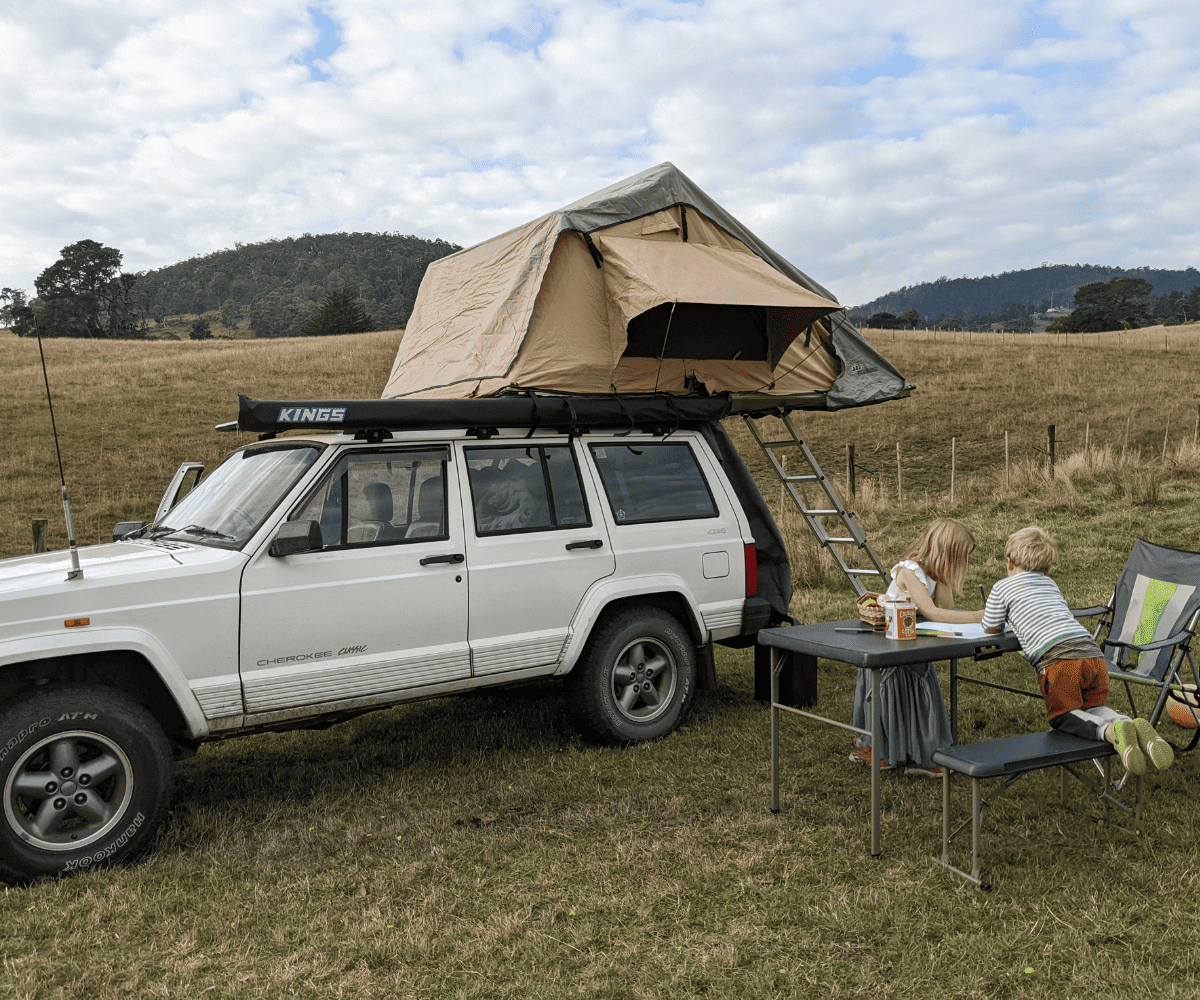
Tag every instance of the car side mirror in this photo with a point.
(126, 528)
(294, 537)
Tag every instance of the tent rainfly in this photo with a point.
(647, 286)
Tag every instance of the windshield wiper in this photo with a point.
(203, 532)
(191, 529)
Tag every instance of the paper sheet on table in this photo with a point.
(972, 630)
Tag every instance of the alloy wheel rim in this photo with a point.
(67, 791)
(644, 678)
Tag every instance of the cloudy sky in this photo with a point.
(874, 144)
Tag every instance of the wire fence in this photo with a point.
(1158, 339)
(902, 470)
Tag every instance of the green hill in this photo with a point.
(996, 298)
(279, 284)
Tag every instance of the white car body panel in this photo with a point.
(245, 640)
(354, 621)
(526, 586)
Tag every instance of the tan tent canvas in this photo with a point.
(645, 286)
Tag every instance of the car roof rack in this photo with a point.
(573, 412)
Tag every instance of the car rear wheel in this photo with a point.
(637, 677)
(86, 776)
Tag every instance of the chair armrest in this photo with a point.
(1090, 612)
(1148, 646)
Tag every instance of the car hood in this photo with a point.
(116, 575)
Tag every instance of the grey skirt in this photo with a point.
(913, 721)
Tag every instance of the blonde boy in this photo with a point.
(1072, 674)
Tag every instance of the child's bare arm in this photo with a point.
(940, 609)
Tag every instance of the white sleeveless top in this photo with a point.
(893, 590)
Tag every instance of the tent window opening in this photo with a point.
(699, 330)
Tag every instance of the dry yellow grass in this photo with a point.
(129, 412)
(477, 848)
(1184, 337)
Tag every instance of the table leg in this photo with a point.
(875, 790)
(946, 816)
(954, 701)
(775, 653)
(976, 823)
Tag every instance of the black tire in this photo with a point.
(636, 678)
(85, 775)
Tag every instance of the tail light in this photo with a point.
(751, 571)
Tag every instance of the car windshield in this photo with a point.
(230, 504)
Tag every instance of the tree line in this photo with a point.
(978, 303)
(308, 285)
(1116, 304)
(353, 282)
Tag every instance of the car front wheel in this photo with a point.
(86, 775)
(637, 677)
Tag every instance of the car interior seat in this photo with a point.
(431, 506)
(378, 525)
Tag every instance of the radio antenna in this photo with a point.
(76, 571)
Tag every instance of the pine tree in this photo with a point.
(339, 313)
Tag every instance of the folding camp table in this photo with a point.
(866, 651)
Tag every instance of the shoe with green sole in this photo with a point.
(1125, 740)
(1157, 750)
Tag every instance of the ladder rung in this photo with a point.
(813, 516)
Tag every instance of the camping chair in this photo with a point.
(1149, 623)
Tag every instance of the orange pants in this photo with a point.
(1069, 685)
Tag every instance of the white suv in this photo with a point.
(308, 579)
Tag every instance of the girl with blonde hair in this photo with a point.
(913, 720)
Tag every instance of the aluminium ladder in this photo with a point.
(814, 515)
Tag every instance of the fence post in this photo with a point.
(850, 466)
(39, 534)
(1050, 433)
(953, 463)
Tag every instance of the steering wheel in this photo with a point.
(241, 522)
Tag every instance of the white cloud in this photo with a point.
(978, 139)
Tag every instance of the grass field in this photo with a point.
(477, 847)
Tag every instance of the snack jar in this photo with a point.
(901, 618)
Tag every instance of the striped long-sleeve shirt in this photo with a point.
(1034, 608)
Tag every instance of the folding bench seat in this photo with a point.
(1012, 758)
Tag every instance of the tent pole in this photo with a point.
(663, 353)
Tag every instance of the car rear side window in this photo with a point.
(533, 488)
(653, 482)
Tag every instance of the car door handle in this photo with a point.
(456, 557)
(595, 543)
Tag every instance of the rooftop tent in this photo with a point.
(645, 286)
